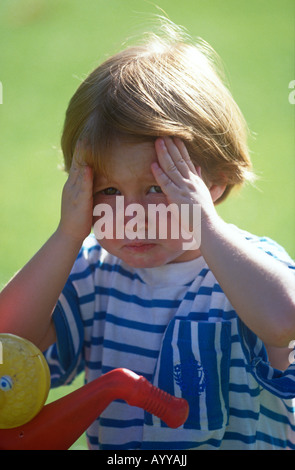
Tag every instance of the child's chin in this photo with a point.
(138, 263)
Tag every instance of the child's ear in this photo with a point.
(216, 191)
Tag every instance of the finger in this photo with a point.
(181, 156)
(177, 157)
(80, 186)
(87, 180)
(199, 172)
(184, 153)
(78, 160)
(76, 170)
(165, 183)
(170, 161)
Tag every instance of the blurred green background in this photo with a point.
(48, 46)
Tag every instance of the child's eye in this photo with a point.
(110, 191)
(155, 189)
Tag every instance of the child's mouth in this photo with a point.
(139, 247)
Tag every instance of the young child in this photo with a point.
(156, 125)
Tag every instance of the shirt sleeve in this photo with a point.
(65, 357)
(273, 249)
(279, 383)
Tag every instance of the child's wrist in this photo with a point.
(210, 218)
(211, 225)
(67, 236)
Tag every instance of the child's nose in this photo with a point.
(134, 201)
(136, 208)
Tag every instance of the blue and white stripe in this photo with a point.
(176, 328)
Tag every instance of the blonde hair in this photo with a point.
(165, 86)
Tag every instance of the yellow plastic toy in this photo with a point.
(24, 381)
(25, 424)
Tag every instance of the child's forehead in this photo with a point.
(125, 157)
(131, 144)
(129, 154)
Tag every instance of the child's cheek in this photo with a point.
(104, 217)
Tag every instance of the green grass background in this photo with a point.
(48, 46)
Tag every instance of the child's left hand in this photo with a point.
(264, 302)
(178, 178)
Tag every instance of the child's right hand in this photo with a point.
(77, 199)
(28, 300)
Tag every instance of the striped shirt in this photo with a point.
(174, 325)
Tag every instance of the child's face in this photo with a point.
(129, 174)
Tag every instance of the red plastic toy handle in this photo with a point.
(61, 423)
(173, 411)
